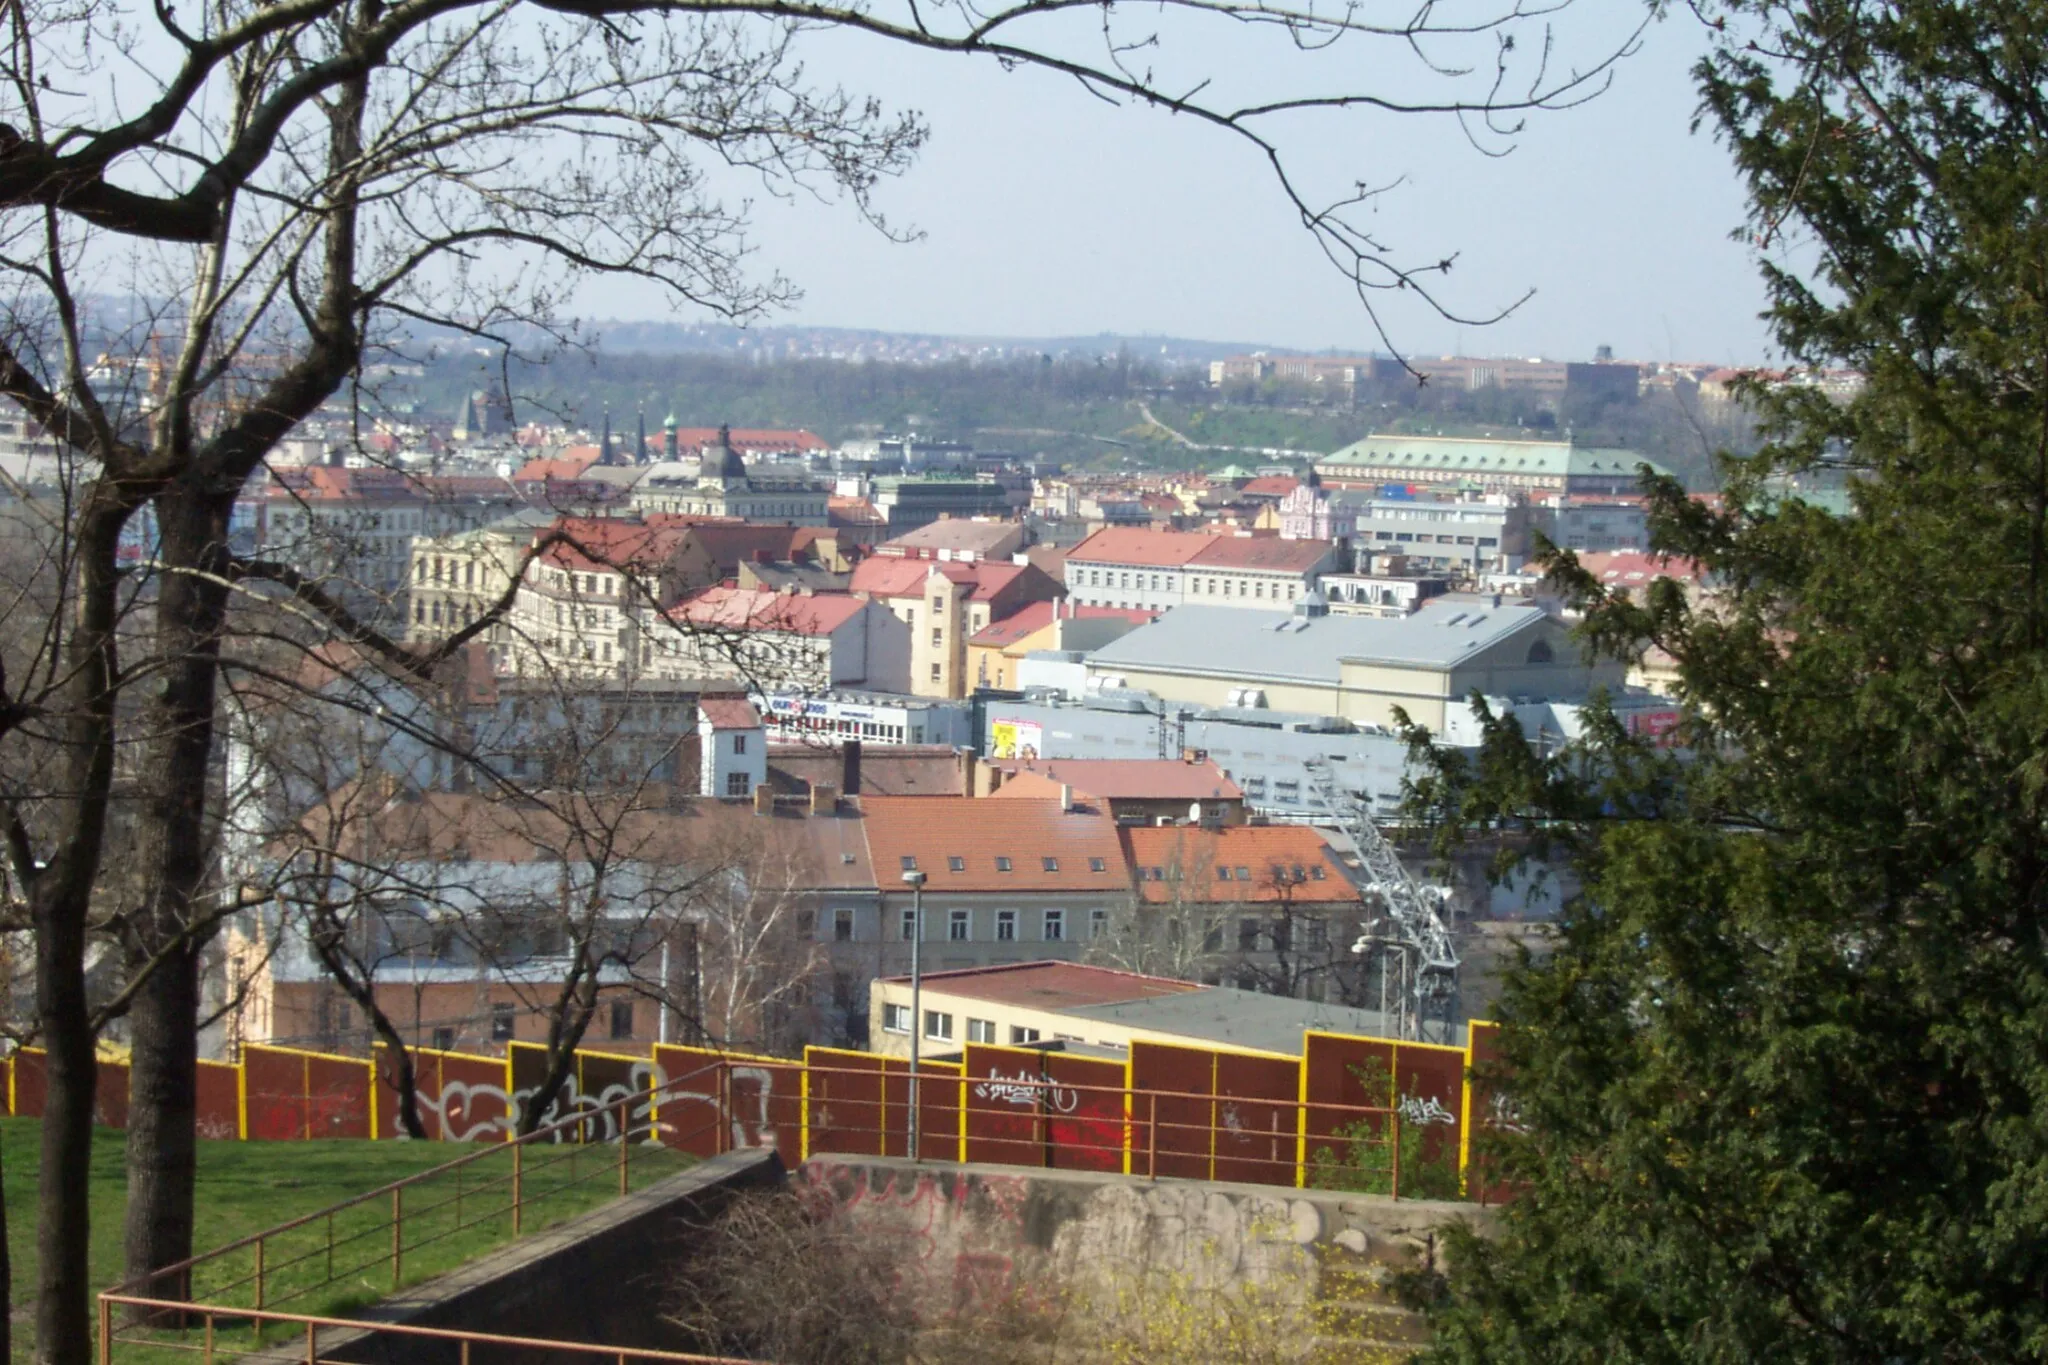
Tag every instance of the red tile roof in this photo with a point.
(1034, 617)
(935, 830)
(853, 512)
(730, 713)
(540, 470)
(1118, 779)
(1269, 486)
(1259, 552)
(1628, 568)
(1051, 985)
(1282, 860)
(1131, 545)
(745, 609)
(893, 576)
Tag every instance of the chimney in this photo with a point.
(970, 772)
(1066, 798)
(824, 799)
(764, 800)
(849, 767)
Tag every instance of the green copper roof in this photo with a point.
(1438, 456)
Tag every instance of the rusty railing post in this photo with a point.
(106, 1331)
(206, 1351)
(724, 1125)
(624, 1144)
(1152, 1137)
(330, 1246)
(259, 1279)
(518, 1151)
(465, 1351)
(1394, 1126)
(312, 1351)
(397, 1233)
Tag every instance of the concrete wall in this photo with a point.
(599, 1277)
(984, 1232)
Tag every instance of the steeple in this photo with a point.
(721, 464)
(668, 437)
(604, 442)
(640, 442)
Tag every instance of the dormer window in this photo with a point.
(1052, 864)
(956, 864)
(910, 862)
(1002, 864)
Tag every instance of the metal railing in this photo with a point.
(241, 1286)
(370, 1242)
(1133, 1114)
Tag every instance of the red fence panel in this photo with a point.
(219, 1106)
(767, 1106)
(689, 1115)
(845, 1111)
(1002, 1119)
(462, 1098)
(29, 1083)
(1085, 1112)
(294, 1094)
(1487, 1115)
(1256, 1124)
(1185, 1115)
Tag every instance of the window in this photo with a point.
(1315, 873)
(1247, 936)
(1222, 873)
(956, 926)
(935, 672)
(1002, 864)
(444, 1039)
(956, 864)
(895, 1018)
(1006, 926)
(1097, 865)
(938, 1026)
(739, 744)
(1244, 874)
(1023, 1035)
(938, 604)
(1541, 653)
(981, 1030)
(1098, 923)
(909, 925)
(910, 862)
(622, 1019)
(1055, 925)
(738, 784)
(938, 637)
(1212, 938)
(1051, 864)
(503, 1018)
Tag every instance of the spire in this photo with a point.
(640, 442)
(604, 442)
(668, 437)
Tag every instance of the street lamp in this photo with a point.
(915, 881)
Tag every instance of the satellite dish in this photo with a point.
(1195, 811)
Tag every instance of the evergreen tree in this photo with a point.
(1781, 1086)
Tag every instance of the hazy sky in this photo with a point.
(1047, 212)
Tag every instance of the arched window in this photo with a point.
(1540, 653)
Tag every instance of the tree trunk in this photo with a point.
(60, 900)
(174, 853)
(63, 1333)
(162, 1108)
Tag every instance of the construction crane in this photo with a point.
(1405, 939)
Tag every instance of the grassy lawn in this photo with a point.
(246, 1187)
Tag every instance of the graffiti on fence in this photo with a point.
(1023, 1090)
(1424, 1110)
(455, 1105)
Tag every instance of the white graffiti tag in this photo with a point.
(462, 1097)
(1422, 1111)
(1023, 1090)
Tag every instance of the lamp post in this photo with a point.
(915, 881)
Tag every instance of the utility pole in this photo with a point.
(915, 881)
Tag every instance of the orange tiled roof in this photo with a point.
(1116, 779)
(937, 831)
(747, 609)
(1265, 863)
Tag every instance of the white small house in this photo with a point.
(734, 746)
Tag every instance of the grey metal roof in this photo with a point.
(1223, 1014)
(1281, 647)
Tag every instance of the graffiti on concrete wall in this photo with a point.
(457, 1105)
